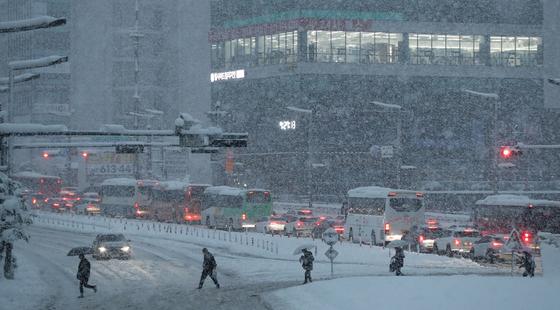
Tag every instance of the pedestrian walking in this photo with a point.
(528, 263)
(83, 275)
(397, 261)
(306, 261)
(208, 268)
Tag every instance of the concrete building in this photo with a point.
(335, 59)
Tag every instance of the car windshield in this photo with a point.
(110, 238)
(466, 233)
(309, 219)
(435, 233)
(277, 218)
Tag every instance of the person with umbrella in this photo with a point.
(83, 275)
(306, 261)
(528, 263)
(397, 261)
(208, 268)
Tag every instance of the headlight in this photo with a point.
(102, 249)
(125, 248)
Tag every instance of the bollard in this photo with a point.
(252, 241)
(267, 245)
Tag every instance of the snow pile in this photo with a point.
(456, 292)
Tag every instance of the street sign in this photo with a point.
(331, 254)
(330, 236)
(386, 151)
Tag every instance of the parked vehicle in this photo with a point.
(459, 242)
(303, 226)
(487, 248)
(107, 246)
(427, 236)
(87, 208)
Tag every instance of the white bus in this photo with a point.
(126, 197)
(379, 215)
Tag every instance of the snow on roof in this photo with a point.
(22, 127)
(32, 174)
(375, 192)
(31, 23)
(120, 182)
(224, 190)
(516, 201)
(37, 63)
(173, 185)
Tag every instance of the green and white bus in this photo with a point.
(235, 208)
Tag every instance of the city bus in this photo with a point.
(501, 214)
(176, 202)
(126, 197)
(47, 185)
(379, 215)
(229, 207)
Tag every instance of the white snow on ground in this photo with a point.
(456, 292)
(166, 266)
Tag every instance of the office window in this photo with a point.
(367, 50)
(260, 50)
(323, 46)
(352, 47)
(453, 49)
(338, 45)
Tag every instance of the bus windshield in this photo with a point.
(405, 204)
(258, 197)
(367, 206)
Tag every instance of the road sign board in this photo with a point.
(330, 236)
(331, 253)
(386, 151)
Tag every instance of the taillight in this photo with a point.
(34, 201)
(457, 242)
(298, 223)
(244, 216)
(387, 228)
(526, 236)
(421, 239)
(496, 244)
(136, 205)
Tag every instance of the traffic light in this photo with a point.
(507, 152)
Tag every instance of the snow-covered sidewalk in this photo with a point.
(456, 292)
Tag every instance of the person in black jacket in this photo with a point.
(83, 275)
(306, 261)
(397, 261)
(208, 268)
(528, 263)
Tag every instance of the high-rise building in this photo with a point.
(318, 86)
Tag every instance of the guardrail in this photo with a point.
(101, 224)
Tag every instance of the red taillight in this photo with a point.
(392, 194)
(138, 212)
(244, 216)
(526, 236)
(387, 227)
(457, 242)
(34, 201)
(421, 239)
(497, 244)
(298, 223)
(136, 206)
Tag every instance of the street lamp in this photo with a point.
(309, 164)
(496, 104)
(399, 135)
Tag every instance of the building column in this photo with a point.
(404, 50)
(302, 45)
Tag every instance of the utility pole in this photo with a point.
(136, 35)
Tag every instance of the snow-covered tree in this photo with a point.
(14, 217)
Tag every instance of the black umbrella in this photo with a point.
(80, 250)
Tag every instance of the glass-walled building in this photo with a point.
(315, 73)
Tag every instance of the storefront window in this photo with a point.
(338, 40)
(438, 49)
(441, 49)
(260, 50)
(323, 46)
(352, 47)
(515, 51)
(453, 49)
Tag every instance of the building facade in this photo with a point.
(318, 86)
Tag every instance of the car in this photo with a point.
(88, 208)
(303, 226)
(70, 196)
(488, 248)
(107, 246)
(271, 225)
(92, 197)
(320, 227)
(36, 201)
(57, 204)
(459, 242)
(427, 236)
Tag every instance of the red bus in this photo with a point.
(40, 184)
(193, 202)
(175, 202)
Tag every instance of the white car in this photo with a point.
(87, 209)
(303, 226)
(487, 248)
(428, 235)
(92, 197)
(459, 242)
(271, 225)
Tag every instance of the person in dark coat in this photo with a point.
(397, 261)
(208, 268)
(528, 263)
(83, 275)
(306, 261)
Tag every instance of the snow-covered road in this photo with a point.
(165, 269)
